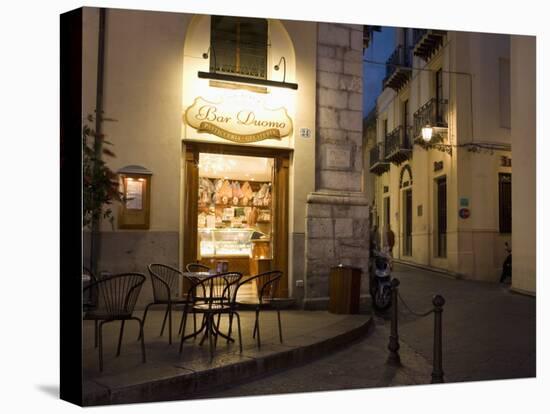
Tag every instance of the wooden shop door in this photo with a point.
(280, 201)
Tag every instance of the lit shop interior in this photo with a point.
(235, 210)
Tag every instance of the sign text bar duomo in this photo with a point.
(238, 119)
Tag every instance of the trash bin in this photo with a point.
(344, 289)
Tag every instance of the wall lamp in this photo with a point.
(206, 54)
(276, 67)
(428, 133)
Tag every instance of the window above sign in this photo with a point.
(239, 46)
(238, 53)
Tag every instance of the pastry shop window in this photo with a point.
(235, 210)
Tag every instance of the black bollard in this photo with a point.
(437, 373)
(393, 345)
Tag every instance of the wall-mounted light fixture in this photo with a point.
(276, 67)
(427, 132)
(206, 55)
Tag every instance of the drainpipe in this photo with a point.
(95, 244)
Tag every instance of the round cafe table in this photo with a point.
(201, 276)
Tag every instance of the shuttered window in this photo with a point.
(239, 46)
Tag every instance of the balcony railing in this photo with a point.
(398, 145)
(377, 164)
(418, 34)
(427, 41)
(398, 68)
(433, 112)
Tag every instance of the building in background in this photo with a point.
(236, 140)
(443, 154)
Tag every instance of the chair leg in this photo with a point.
(95, 333)
(258, 328)
(202, 323)
(120, 337)
(142, 339)
(100, 335)
(144, 316)
(239, 328)
(184, 313)
(255, 325)
(280, 329)
(164, 320)
(210, 322)
(170, 324)
(230, 326)
(182, 325)
(217, 330)
(194, 322)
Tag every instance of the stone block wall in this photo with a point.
(339, 107)
(132, 251)
(337, 233)
(337, 214)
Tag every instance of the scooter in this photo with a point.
(507, 265)
(380, 280)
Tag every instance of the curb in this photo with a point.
(190, 386)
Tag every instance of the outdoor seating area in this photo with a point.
(212, 299)
(168, 374)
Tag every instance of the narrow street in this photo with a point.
(488, 333)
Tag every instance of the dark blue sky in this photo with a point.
(380, 48)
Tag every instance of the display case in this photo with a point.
(227, 242)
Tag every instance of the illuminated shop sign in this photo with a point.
(237, 120)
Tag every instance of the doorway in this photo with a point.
(407, 222)
(441, 217)
(236, 208)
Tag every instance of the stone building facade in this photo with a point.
(157, 65)
(449, 202)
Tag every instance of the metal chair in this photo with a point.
(219, 297)
(267, 284)
(165, 280)
(118, 295)
(196, 267)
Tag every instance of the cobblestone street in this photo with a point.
(488, 333)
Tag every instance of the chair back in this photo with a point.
(267, 284)
(196, 267)
(119, 293)
(219, 289)
(165, 281)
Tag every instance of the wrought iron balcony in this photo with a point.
(427, 41)
(398, 68)
(377, 164)
(433, 112)
(398, 146)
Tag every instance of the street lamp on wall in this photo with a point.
(427, 132)
(432, 139)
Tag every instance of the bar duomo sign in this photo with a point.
(231, 120)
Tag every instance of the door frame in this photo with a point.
(281, 157)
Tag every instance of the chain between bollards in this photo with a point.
(393, 345)
(437, 373)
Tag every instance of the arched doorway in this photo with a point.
(405, 188)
